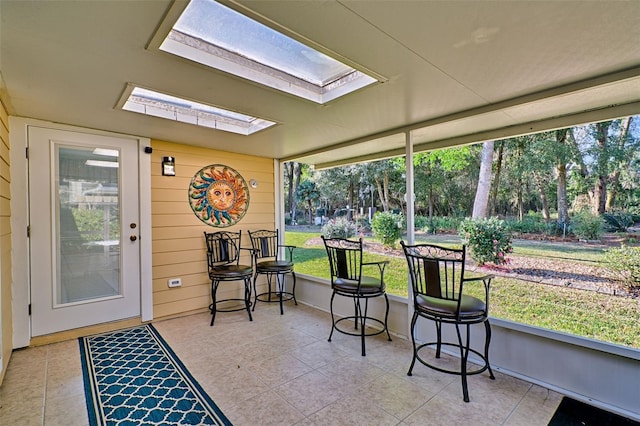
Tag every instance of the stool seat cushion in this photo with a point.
(368, 285)
(274, 265)
(470, 307)
(230, 271)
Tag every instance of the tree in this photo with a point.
(293, 174)
(540, 160)
(520, 168)
(602, 166)
(481, 201)
(435, 178)
(606, 152)
(625, 149)
(387, 177)
(527, 168)
(562, 159)
(307, 192)
(337, 185)
(289, 184)
(496, 179)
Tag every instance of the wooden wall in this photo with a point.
(178, 241)
(6, 332)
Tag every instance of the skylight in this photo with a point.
(170, 107)
(217, 36)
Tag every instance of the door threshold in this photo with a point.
(84, 331)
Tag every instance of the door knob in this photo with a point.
(133, 238)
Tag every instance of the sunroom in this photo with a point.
(165, 102)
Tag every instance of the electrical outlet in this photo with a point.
(174, 282)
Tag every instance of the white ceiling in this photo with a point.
(456, 71)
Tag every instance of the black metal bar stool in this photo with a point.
(266, 252)
(438, 281)
(223, 261)
(347, 279)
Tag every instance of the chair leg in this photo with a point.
(280, 286)
(413, 339)
(333, 321)
(293, 290)
(386, 317)
(247, 296)
(269, 281)
(214, 289)
(355, 312)
(487, 340)
(438, 338)
(363, 320)
(255, 291)
(464, 354)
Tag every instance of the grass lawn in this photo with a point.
(589, 314)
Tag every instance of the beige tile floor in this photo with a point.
(280, 370)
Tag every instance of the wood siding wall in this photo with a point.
(177, 234)
(5, 241)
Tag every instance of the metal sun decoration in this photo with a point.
(218, 195)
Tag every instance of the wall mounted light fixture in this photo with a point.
(168, 166)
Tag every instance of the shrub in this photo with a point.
(634, 211)
(489, 240)
(625, 263)
(422, 222)
(532, 223)
(618, 221)
(387, 227)
(587, 226)
(437, 223)
(339, 228)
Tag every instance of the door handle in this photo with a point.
(133, 238)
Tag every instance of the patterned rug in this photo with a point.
(132, 377)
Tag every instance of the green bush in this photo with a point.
(438, 223)
(339, 228)
(587, 226)
(618, 221)
(489, 240)
(387, 227)
(532, 223)
(422, 222)
(625, 263)
(634, 211)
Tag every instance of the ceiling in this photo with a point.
(454, 72)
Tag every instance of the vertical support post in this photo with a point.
(278, 172)
(409, 188)
(410, 216)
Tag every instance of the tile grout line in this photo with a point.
(515, 407)
(44, 387)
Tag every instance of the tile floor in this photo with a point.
(280, 370)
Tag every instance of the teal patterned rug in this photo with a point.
(132, 377)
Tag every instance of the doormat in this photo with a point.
(571, 412)
(133, 377)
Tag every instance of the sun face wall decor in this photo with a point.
(218, 195)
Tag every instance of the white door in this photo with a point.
(83, 222)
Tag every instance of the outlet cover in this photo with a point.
(174, 282)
